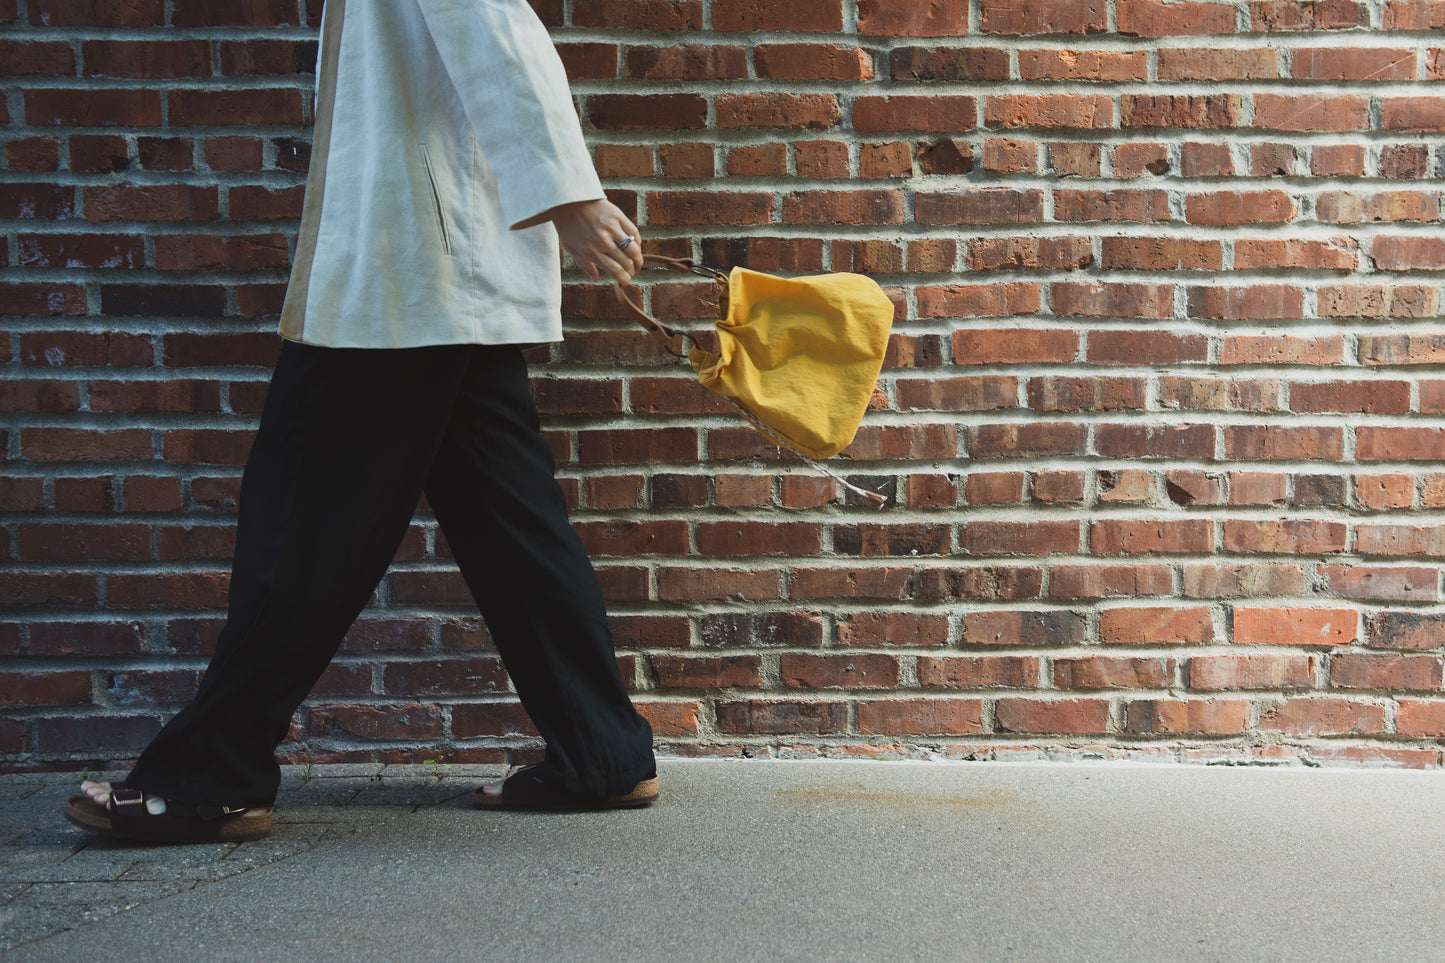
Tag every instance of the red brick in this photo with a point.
(1278, 349)
(1262, 488)
(1377, 492)
(872, 582)
(804, 15)
(1187, 716)
(671, 208)
(81, 107)
(1083, 65)
(250, 203)
(79, 543)
(1155, 625)
(829, 158)
(678, 672)
(661, 15)
(628, 538)
(1010, 156)
(1307, 14)
(1064, 716)
(920, 717)
(1043, 16)
(860, 671)
(1146, 441)
(1225, 581)
(97, 13)
(777, 110)
(173, 202)
(1221, 672)
(1287, 536)
(893, 628)
(885, 115)
(1049, 111)
(134, 58)
(207, 446)
(1116, 205)
(1394, 673)
(1014, 538)
(36, 58)
(844, 207)
(805, 61)
(702, 584)
(1116, 537)
(1171, 111)
(983, 206)
(1324, 717)
(762, 160)
(35, 154)
(958, 394)
(32, 689)
(1381, 583)
(1151, 18)
(758, 538)
(43, 300)
(777, 717)
(1418, 719)
(1295, 626)
(477, 719)
(37, 201)
(975, 300)
(1057, 487)
(1104, 581)
(967, 672)
(1337, 112)
(678, 62)
(1024, 440)
(912, 18)
(1420, 114)
(1337, 160)
(980, 582)
(81, 444)
(909, 64)
(1080, 160)
(1103, 672)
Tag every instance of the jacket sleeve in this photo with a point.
(514, 90)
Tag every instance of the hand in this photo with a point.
(590, 230)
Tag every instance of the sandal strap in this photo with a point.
(123, 803)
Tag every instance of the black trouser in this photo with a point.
(349, 440)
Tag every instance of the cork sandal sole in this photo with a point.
(523, 791)
(178, 824)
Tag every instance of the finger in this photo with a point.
(633, 250)
(615, 268)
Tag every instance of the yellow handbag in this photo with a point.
(798, 357)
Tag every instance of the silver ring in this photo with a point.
(622, 244)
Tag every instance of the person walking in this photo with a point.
(447, 165)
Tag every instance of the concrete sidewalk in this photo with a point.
(763, 860)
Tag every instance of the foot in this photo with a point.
(121, 813)
(524, 790)
(99, 792)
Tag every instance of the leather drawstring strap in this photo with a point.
(660, 333)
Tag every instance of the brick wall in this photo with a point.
(1161, 419)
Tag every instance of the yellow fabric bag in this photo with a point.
(799, 357)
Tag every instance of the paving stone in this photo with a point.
(47, 908)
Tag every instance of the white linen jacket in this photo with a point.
(444, 131)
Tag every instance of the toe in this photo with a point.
(97, 790)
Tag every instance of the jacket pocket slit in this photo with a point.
(436, 198)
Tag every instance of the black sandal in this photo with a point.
(525, 790)
(125, 816)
